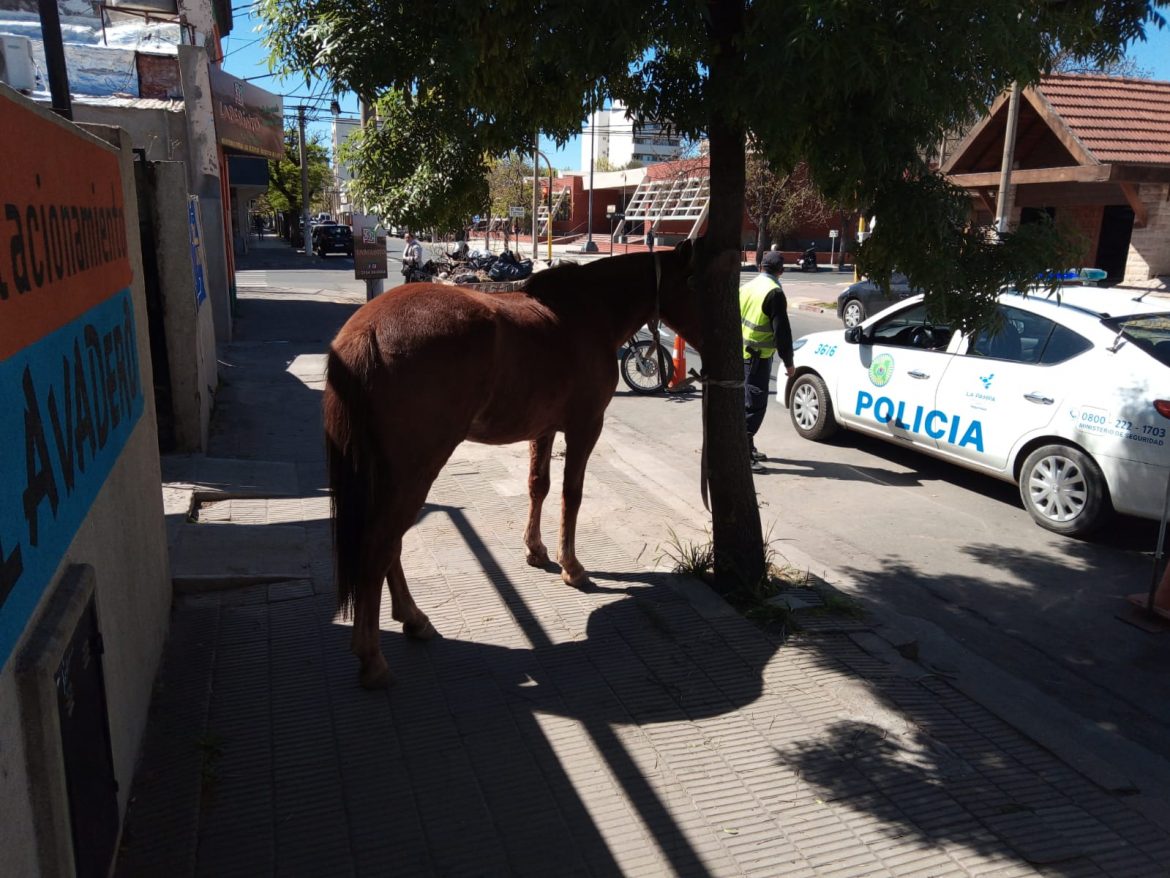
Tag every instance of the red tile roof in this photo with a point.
(1117, 120)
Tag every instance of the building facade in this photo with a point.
(1091, 152)
(615, 137)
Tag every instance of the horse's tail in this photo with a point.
(352, 455)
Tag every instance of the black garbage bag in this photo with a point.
(503, 271)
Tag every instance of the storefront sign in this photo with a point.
(247, 118)
(369, 254)
(70, 386)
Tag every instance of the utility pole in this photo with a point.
(304, 182)
(55, 58)
(374, 286)
(589, 247)
(535, 194)
(1003, 207)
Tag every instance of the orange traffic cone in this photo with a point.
(678, 359)
(1161, 603)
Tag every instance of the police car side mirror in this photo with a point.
(853, 335)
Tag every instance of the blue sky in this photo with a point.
(245, 58)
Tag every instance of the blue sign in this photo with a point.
(195, 232)
(70, 401)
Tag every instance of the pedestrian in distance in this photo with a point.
(650, 239)
(411, 255)
(763, 311)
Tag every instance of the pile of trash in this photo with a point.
(483, 267)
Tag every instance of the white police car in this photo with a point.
(1070, 398)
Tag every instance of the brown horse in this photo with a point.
(425, 366)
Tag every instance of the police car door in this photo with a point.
(888, 382)
(1004, 386)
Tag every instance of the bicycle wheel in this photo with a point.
(640, 368)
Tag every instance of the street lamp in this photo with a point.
(590, 247)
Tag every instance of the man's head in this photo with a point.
(773, 263)
(408, 237)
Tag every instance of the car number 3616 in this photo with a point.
(825, 350)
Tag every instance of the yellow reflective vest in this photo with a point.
(756, 325)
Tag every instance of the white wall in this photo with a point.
(121, 535)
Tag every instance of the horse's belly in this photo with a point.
(504, 428)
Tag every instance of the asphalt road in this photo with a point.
(953, 552)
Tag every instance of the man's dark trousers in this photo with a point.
(757, 372)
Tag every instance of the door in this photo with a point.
(1113, 243)
(887, 384)
(1005, 384)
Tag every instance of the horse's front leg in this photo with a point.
(539, 454)
(579, 442)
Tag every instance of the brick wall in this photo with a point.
(1149, 247)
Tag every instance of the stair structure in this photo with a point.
(542, 211)
(679, 197)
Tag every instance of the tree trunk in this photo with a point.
(738, 539)
(761, 239)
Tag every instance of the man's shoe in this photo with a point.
(758, 466)
(756, 454)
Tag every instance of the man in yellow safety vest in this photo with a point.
(763, 311)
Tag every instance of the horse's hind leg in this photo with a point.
(382, 559)
(539, 453)
(579, 442)
(367, 601)
(402, 606)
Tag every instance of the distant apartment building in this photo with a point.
(340, 201)
(619, 137)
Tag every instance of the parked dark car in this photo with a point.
(332, 238)
(865, 298)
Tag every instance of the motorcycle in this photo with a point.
(646, 369)
(808, 261)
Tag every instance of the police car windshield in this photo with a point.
(1149, 332)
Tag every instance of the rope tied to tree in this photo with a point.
(708, 381)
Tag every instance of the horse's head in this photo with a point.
(678, 293)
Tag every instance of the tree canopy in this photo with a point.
(859, 90)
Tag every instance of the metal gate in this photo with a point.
(85, 744)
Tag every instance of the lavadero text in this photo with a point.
(70, 403)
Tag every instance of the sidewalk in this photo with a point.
(637, 728)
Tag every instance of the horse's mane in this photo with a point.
(571, 279)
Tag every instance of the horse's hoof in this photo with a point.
(375, 674)
(537, 559)
(577, 578)
(419, 630)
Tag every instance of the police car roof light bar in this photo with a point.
(1163, 407)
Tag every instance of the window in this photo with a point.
(1024, 337)
(1063, 344)
(1150, 333)
(910, 328)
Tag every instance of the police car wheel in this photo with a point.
(1063, 490)
(853, 314)
(811, 409)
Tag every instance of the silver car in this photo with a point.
(863, 299)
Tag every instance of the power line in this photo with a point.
(242, 46)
